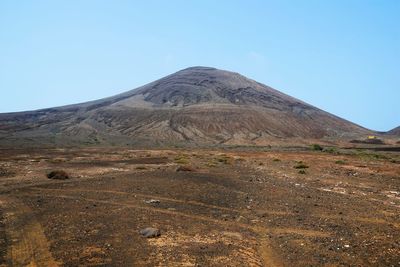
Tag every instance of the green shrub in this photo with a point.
(316, 147)
(330, 150)
(181, 159)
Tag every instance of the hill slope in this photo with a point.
(395, 131)
(198, 105)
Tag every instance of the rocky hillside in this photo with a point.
(194, 106)
(395, 131)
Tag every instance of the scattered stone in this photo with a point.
(150, 232)
(58, 175)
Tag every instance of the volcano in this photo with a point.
(194, 106)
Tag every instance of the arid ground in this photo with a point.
(231, 207)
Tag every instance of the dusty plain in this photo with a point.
(226, 207)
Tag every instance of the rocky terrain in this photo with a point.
(249, 207)
(195, 106)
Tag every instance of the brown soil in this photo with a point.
(235, 208)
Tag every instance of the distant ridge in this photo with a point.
(196, 106)
(395, 131)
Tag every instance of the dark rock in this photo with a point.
(58, 175)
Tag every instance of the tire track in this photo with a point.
(27, 243)
(265, 249)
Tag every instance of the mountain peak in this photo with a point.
(199, 68)
(205, 85)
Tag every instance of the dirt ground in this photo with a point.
(225, 208)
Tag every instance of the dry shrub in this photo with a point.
(300, 165)
(185, 169)
(141, 168)
(58, 175)
(6, 173)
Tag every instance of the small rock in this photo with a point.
(152, 201)
(150, 232)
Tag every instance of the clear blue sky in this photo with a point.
(341, 56)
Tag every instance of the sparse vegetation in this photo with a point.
(141, 168)
(371, 156)
(301, 165)
(276, 160)
(302, 171)
(181, 159)
(223, 159)
(316, 147)
(375, 141)
(331, 150)
(341, 162)
(58, 175)
(211, 164)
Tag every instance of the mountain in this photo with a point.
(395, 131)
(198, 105)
